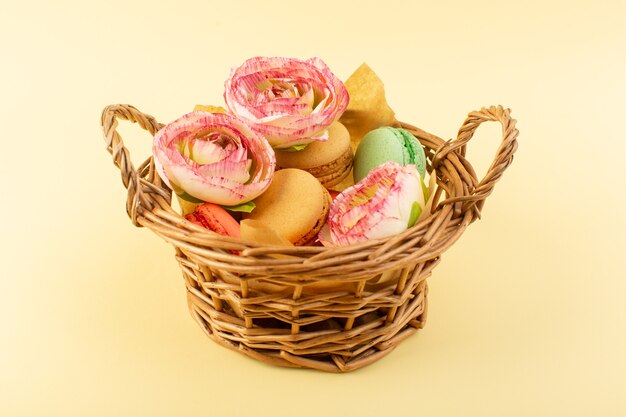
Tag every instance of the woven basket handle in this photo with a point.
(143, 185)
(478, 191)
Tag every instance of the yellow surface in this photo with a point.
(527, 313)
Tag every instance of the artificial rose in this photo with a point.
(213, 157)
(386, 202)
(289, 101)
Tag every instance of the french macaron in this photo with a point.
(295, 206)
(330, 161)
(215, 218)
(386, 144)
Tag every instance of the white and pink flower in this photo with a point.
(213, 157)
(291, 102)
(386, 202)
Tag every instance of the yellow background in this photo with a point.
(527, 313)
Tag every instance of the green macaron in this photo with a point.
(388, 144)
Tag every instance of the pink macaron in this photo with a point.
(215, 218)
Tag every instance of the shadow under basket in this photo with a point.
(331, 309)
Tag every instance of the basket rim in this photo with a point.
(149, 204)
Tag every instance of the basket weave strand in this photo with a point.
(331, 309)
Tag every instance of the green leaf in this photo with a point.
(425, 190)
(244, 207)
(295, 148)
(416, 210)
(189, 198)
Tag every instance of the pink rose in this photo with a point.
(213, 157)
(386, 202)
(289, 101)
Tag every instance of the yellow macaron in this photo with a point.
(295, 206)
(330, 161)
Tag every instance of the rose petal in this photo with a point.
(287, 100)
(214, 157)
(378, 206)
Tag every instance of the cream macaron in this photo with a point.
(330, 161)
(295, 206)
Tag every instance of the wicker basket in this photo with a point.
(331, 309)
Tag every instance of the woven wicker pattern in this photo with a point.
(331, 309)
